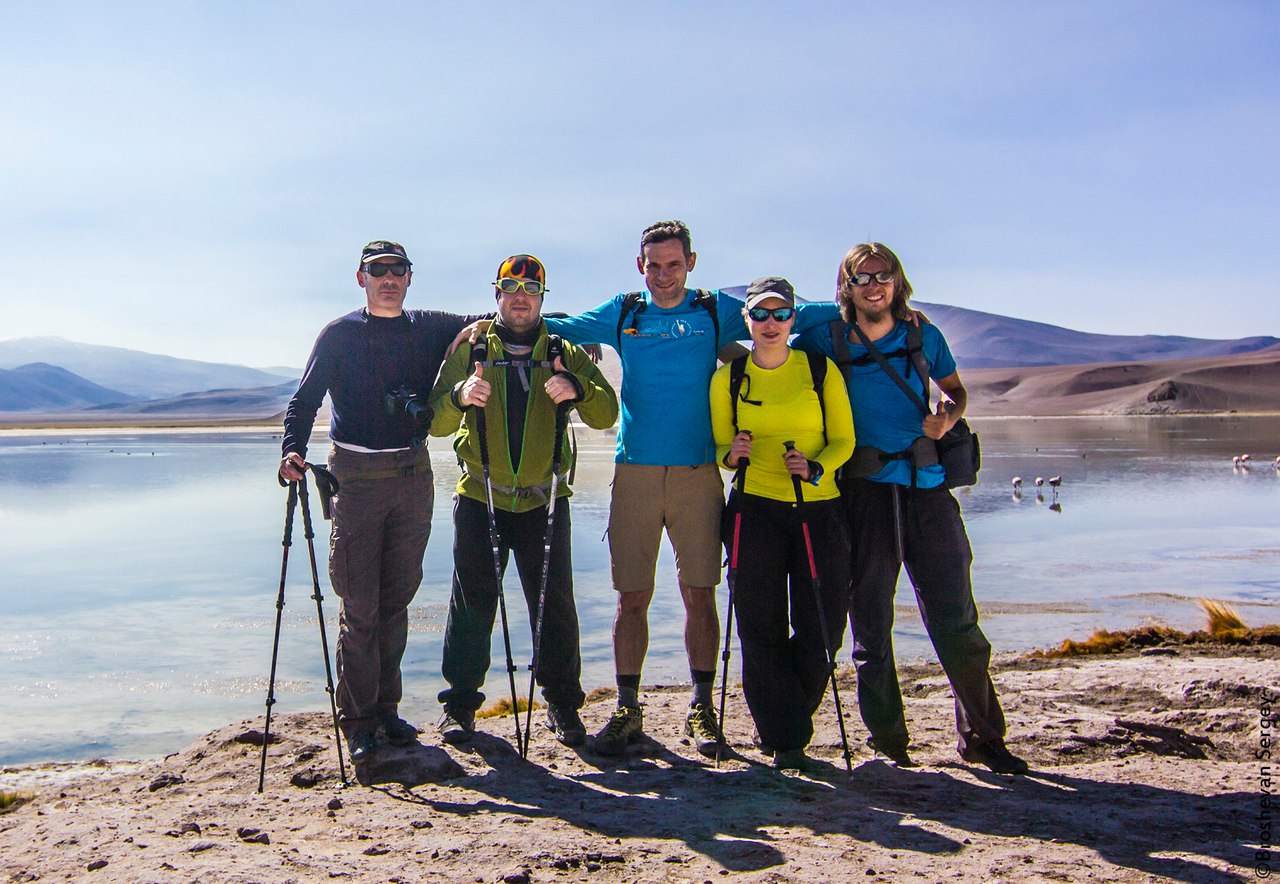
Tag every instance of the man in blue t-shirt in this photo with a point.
(901, 511)
(665, 476)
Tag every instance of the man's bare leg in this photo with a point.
(701, 626)
(631, 632)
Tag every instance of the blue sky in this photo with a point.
(197, 179)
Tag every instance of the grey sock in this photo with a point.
(629, 691)
(702, 684)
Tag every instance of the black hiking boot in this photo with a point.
(564, 722)
(457, 725)
(361, 747)
(398, 732)
(895, 752)
(996, 757)
(791, 759)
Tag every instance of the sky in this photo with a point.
(197, 179)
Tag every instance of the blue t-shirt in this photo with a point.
(668, 356)
(883, 416)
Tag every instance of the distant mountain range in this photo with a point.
(39, 386)
(140, 375)
(986, 340)
(1007, 362)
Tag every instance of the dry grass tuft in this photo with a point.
(10, 800)
(1221, 618)
(1225, 627)
(498, 708)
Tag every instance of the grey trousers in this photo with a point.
(380, 528)
(890, 526)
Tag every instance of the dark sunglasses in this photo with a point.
(884, 277)
(511, 286)
(396, 269)
(780, 314)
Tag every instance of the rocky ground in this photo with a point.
(1143, 769)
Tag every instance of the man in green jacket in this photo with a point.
(501, 396)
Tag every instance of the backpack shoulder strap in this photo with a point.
(915, 353)
(631, 303)
(818, 371)
(737, 371)
(890, 371)
(555, 347)
(707, 301)
(840, 346)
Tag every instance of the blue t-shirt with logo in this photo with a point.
(883, 416)
(668, 356)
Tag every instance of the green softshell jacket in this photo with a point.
(598, 409)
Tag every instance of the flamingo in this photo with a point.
(1039, 481)
(1054, 482)
(1017, 480)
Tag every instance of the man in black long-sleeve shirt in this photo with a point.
(382, 512)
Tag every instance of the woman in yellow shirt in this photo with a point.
(784, 663)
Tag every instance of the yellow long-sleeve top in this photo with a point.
(788, 410)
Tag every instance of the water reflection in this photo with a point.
(138, 571)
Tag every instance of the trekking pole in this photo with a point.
(275, 644)
(497, 572)
(732, 575)
(562, 415)
(822, 615)
(327, 490)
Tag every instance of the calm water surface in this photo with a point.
(139, 571)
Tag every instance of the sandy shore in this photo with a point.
(1144, 769)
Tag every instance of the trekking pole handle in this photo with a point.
(790, 445)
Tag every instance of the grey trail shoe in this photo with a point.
(457, 725)
(624, 727)
(701, 724)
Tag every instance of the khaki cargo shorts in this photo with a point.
(687, 501)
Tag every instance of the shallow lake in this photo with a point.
(139, 570)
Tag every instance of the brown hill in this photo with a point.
(1247, 382)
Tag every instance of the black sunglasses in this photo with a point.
(396, 269)
(884, 277)
(781, 314)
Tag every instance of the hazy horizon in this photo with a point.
(198, 180)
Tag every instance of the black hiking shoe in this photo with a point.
(625, 726)
(398, 732)
(564, 722)
(765, 748)
(791, 759)
(361, 747)
(996, 757)
(895, 752)
(457, 725)
(701, 724)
